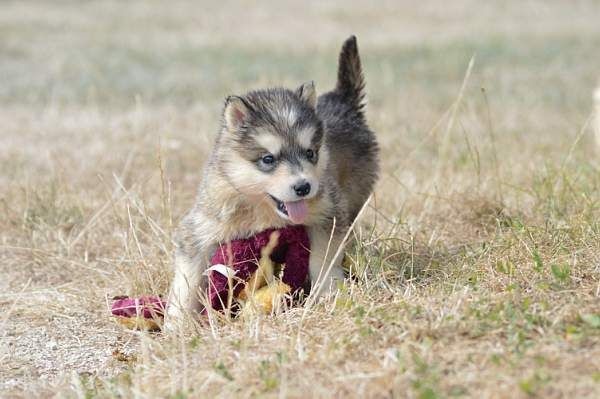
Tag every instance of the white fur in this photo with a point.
(304, 137)
(281, 183)
(291, 117)
(323, 248)
(182, 296)
(270, 142)
(287, 115)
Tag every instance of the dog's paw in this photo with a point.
(173, 320)
(329, 286)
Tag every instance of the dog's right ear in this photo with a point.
(236, 113)
(307, 93)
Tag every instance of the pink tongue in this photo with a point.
(297, 211)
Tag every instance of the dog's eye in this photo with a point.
(310, 154)
(268, 159)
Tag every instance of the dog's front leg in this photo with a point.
(325, 264)
(189, 283)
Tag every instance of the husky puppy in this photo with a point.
(281, 157)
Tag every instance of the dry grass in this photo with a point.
(477, 264)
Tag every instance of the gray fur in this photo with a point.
(345, 148)
(353, 147)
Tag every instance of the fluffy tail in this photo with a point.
(350, 81)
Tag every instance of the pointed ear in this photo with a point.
(307, 93)
(236, 112)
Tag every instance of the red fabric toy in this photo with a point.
(143, 313)
(288, 246)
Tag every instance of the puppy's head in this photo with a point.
(274, 149)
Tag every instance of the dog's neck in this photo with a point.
(234, 214)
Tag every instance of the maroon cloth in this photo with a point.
(242, 255)
(148, 307)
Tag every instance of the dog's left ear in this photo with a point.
(307, 93)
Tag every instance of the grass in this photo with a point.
(476, 264)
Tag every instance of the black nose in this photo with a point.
(302, 188)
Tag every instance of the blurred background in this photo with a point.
(108, 110)
(90, 82)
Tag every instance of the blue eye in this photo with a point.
(268, 159)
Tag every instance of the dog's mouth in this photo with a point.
(296, 211)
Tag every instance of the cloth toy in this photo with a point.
(249, 268)
(258, 270)
(143, 313)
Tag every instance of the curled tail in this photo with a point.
(350, 80)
